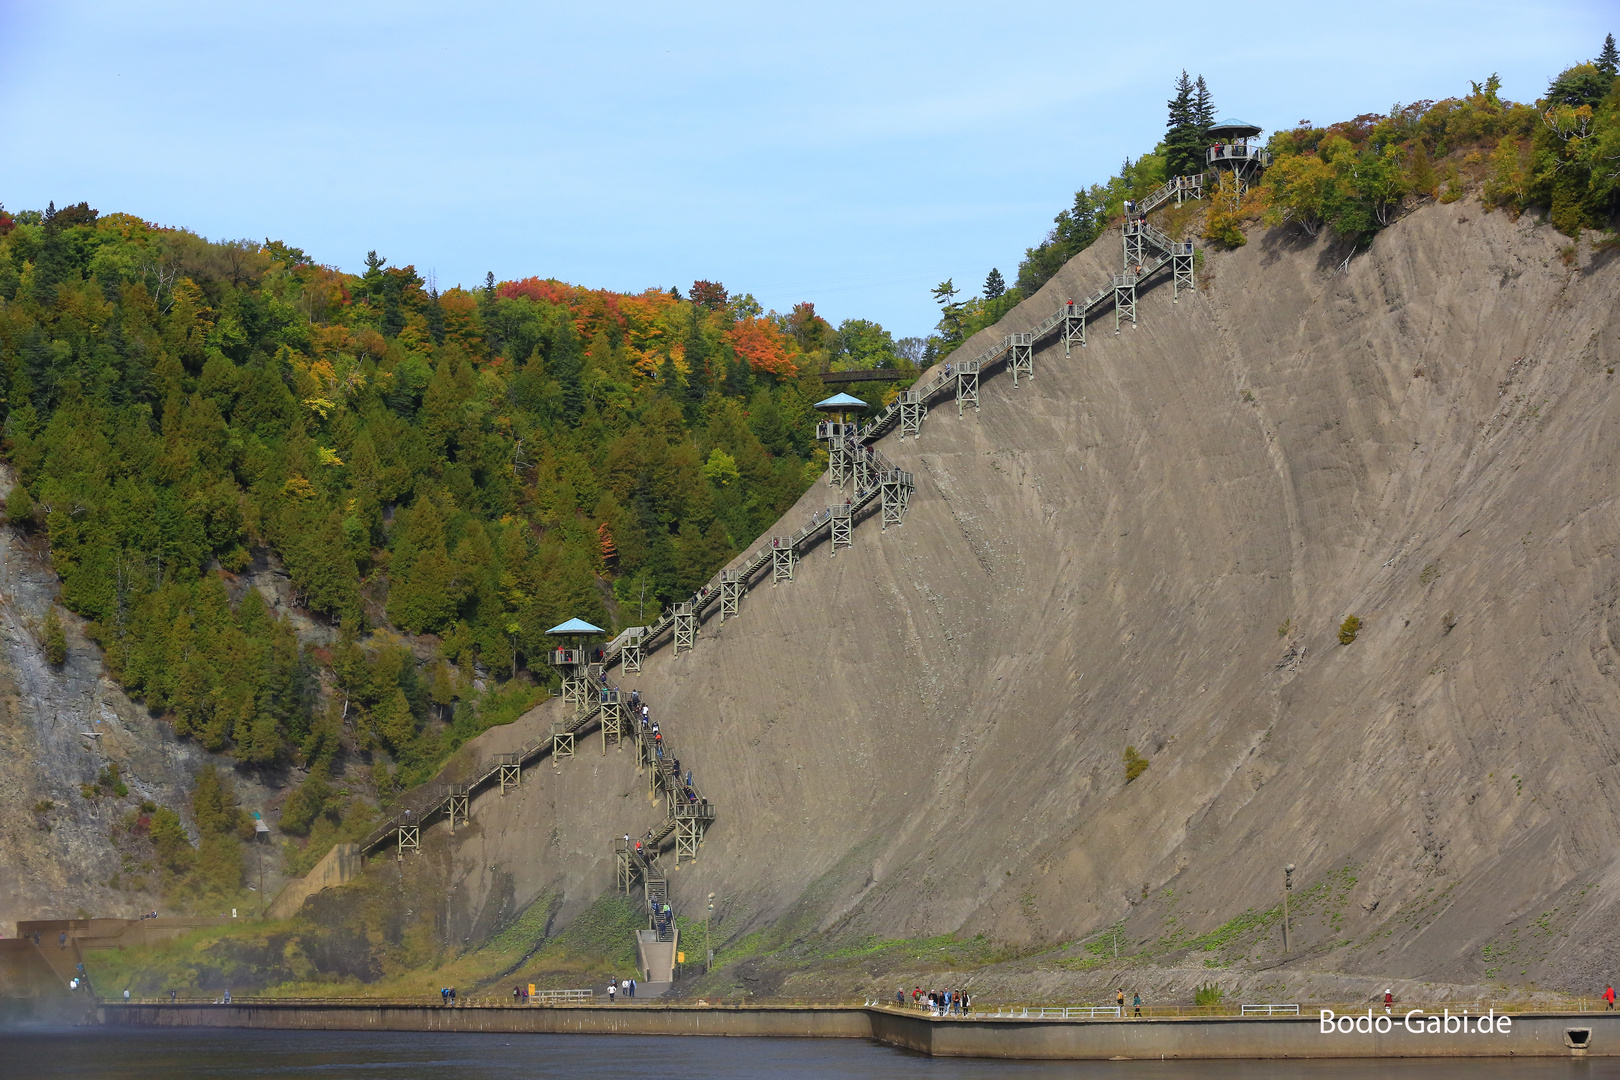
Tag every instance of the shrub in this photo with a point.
(111, 780)
(1208, 995)
(1349, 629)
(55, 643)
(1221, 224)
(1135, 764)
(303, 806)
(170, 840)
(20, 507)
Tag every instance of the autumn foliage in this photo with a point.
(469, 466)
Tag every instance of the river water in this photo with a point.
(90, 1054)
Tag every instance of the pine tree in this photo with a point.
(1608, 60)
(1182, 145)
(994, 285)
(1203, 110)
(394, 721)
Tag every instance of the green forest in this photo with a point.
(1558, 156)
(440, 476)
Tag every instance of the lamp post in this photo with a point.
(1288, 887)
(708, 949)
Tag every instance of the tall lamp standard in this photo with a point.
(1288, 887)
(708, 949)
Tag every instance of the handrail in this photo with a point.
(1237, 152)
(1161, 194)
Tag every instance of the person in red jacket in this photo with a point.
(1608, 995)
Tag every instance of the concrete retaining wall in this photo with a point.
(786, 1021)
(1231, 1037)
(33, 991)
(337, 867)
(1531, 1035)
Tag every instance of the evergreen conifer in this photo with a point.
(1182, 150)
(1203, 111)
(994, 285)
(1608, 60)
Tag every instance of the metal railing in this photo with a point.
(979, 1010)
(1161, 194)
(1237, 152)
(1061, 1012)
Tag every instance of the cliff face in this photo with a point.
(1154, 544)
(59, 728)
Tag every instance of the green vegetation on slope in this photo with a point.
(443, 476)
(1559, 154)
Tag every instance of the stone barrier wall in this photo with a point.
(1191, 1038)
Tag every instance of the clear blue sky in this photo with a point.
(848, 154)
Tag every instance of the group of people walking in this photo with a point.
(628, 986)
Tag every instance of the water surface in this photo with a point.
(106, 1054)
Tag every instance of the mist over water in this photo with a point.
(103, 1054)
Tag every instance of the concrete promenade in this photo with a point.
(1190, 1038)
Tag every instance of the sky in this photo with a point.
(847, 154)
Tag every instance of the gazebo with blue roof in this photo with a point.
(570, 661)
(840, 403)
(836, 432)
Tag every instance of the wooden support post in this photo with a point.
(459, 802)
(562, 743)
(890, 492)
(408, 838)
(623, 873)
(1132, 237)
(840, 530)
(1181, 260)
(865, 468)
(783, 558)
(837, 462)
(612, 717)
(1021, 355)
(685, 627)
(686, 840)
(511, 772)
(731, 589)
(1074, 329)
(912, 411)
(967, 385)
(630, 656)
(1124, 298)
